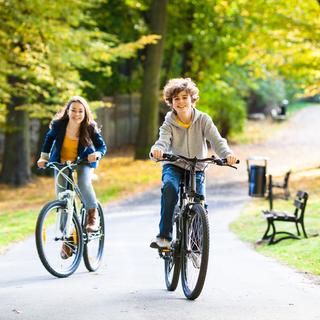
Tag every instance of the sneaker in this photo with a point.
(160, 243)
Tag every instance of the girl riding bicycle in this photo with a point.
(74, 134)
(185, 132)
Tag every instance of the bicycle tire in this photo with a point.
(92, 258)
(172, 262)
(47, 249)
(195, 252)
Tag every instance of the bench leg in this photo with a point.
(271, 241)
(267, 236)
(298, 231)
(304, 230)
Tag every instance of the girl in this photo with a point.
(73, 133)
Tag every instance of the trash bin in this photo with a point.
(257, 168)
(283, 107)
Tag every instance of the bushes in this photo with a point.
(224, 105)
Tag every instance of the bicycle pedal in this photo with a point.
(165, 250)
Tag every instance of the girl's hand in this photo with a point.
(41, 163)
(92, 157)
(231, 159)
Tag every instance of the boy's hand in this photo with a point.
(231, 159)
(157, 154)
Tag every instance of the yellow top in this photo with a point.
(182, 124)
(69, 150)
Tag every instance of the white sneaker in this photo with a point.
(160, 243)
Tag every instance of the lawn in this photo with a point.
(302, 254)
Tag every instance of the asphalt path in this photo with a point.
(240, 284)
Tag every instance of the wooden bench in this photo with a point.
(297, 217)
(284, 185)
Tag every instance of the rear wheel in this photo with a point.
(59, 252)
(93, 248)
(195, 253)
(172, 261)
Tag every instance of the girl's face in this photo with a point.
(182, 102)
(76, 112)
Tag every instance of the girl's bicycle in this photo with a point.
(61, 236)
(189, 253)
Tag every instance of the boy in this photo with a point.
(184, 132)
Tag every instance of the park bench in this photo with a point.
(284, 185)
(277, 115)
(297, 217)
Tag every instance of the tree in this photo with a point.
(148, 119)
(42, 47)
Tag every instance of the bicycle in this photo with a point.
(61, 224)
(189, 252)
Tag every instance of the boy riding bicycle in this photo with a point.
(184, 132)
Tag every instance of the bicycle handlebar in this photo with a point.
(68, 164)
(195, 160)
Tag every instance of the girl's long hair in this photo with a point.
(87, 126)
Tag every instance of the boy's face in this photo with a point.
(182, 102)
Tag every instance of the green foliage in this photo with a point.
(266, 94)
(224, 105)
(44, 44)
(263, 48)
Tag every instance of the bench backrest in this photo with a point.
(286, 179)
(300, 203)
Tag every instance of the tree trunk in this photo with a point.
(43, 129)
(16, 167)
(186, 59)
(148, 119)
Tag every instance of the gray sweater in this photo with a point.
(191, 142)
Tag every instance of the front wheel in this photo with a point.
(93, 248)
(59, 246)
(195, 254)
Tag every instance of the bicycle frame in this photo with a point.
(69, 195)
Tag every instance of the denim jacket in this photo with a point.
(52, 145)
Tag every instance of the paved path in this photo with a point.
(241, 284)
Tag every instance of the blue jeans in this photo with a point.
(84, 183)
(171, 176)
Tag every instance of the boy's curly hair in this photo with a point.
(175, 86)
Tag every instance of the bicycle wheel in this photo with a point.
(195, 254)
(93, 248)
(60, 253)
(172, 261)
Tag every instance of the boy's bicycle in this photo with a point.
(60, 229)
(189, 253)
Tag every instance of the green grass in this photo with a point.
(302, 254)
(16, 225)
(293, 107)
